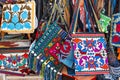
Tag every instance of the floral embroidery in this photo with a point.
(18, 17)
(90, 54)
(13, 61)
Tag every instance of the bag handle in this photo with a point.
(74, 18)
(57, 8)
(95, 16)
(89, 17)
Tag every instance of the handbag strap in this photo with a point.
(75, 17)
(57, 8)
(89, 17)
(73, 24)
(95, 16)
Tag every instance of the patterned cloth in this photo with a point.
(18, 18)
(90, 54)
(115, 33)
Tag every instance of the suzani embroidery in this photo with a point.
(13, 61)
(18, 18)
(115, 33)
(90, 55)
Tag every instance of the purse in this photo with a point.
(49, 43)
(14, 56)
(13, 61)
(90, 52)
(18, 17)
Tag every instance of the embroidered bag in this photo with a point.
(18, 17)
(14, 54)
(89, 51)
(13, 61)
(49, 43)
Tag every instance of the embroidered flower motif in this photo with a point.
(19, 26)
(2, 57)
(4, 25)
(7, 15)
(15, 18)
(27, 25)
(24, 15)
(15, 8)
(50, 44)
(25, 55)
(11, 26)
(118, 28)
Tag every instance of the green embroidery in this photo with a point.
(104, 22)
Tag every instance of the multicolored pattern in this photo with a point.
(9, 46)
(115, 33)
(18, 18)
(13, 61)
(48, 44)
(90, 54)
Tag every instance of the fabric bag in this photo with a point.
(49, 43)
(89, 51)
(14, 54)
(18, 17)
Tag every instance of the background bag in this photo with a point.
(115, 30)
(18, 18)
(14, 54)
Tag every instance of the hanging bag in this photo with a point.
(49, 43)
(89, 51)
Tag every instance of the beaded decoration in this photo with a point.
(18, 18)
(48, 43)
(48, 69)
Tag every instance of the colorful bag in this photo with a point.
(14, 54)
(13, 61)
(18, 18)
(49, 43)
(58, 45)
(115, 30)
(89, 51)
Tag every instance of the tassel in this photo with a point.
(47, 71)
(118, 51)
(42, 71)
(51, 73)
(38, 65)
(31, 59)
(43, 67)
(60, 77)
